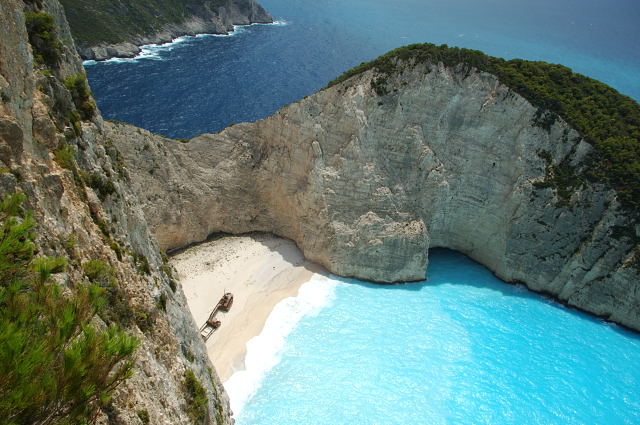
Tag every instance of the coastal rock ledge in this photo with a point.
(368, 174)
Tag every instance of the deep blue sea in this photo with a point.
(205, 84)
(460, 348)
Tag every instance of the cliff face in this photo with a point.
(111, 28)
(62, 164)
(366, 184)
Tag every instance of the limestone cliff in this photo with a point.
(367, 175)
(111, 28)
(55, 150)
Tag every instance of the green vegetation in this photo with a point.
(117, 309)
(143, 415)
(144, 319)
(162, 302)
(47, 49)
(102, 225)
(117, 249)
(56, 367)
(142, 264)
(65, 157)
(607, 119)
(113, 21)
(99, 273)
(379, 85)
(188, 354)
(102, 186)
(196, 397)
(116, 158)
(70, 245)
(563, 177)
(168, 270)
(81, 95)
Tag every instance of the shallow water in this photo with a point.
(462, 347)
(205, 84)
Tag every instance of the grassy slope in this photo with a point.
(114, 21)
(607, 119)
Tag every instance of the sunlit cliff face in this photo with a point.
(365, 184)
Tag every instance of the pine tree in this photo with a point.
(57, 365)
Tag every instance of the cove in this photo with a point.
(461, 347)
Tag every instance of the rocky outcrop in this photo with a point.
(63, 167)
(366, 183)
(107, 28)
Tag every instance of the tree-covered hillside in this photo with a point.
(114, 21)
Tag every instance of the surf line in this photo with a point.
(264, 351)
(151, 51)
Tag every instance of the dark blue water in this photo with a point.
(205, 84)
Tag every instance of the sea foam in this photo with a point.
(264, 351)
(152, 51)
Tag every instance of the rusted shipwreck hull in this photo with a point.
(212, 323)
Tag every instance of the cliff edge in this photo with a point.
(422, 148)
(104, 29)
(54, 152)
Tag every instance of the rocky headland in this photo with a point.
(419, 149)
(104, 29)
(507, 162)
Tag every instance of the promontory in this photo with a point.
(527, 167)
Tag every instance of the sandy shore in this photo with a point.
(258, 269)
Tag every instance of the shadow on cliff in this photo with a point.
(446, 267)
(288, 250)
(449, 267)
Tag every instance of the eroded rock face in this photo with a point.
(366, 184)
(77, 222)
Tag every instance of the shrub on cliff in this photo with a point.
(103, 187)
(81, 95)
(43, 38)
(196, 396)
(56, 366)
(65, 156)
(117, 308)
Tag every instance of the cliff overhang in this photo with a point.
(423, 148)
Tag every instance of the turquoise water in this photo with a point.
(461, 348)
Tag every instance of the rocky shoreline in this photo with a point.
(220, 20)
(131, 50)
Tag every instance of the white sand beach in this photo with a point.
(258, 269)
